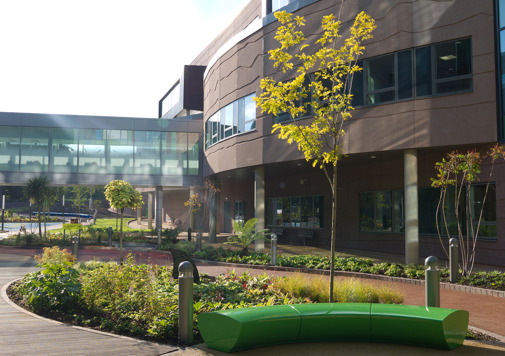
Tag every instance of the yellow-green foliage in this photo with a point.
(53, 255)
(314, 289)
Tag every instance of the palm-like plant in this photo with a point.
(37, 189)
(246, 235)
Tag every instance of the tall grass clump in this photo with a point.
(314, 289)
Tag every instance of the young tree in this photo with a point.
(79, 198)
(321, 89)
(37, 190)
(455, 177)
(121, 195)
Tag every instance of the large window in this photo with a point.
(428, 200)
(304, 211)
(235, 118)
(381, 211)
(172, 99)
(63, 150)
(441, 68)
(34, 149)
(147, 152)
(10, 141)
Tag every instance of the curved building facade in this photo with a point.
(428, 86)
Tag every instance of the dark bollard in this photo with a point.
(75, 246)
(273, 248)
(199, 241)
(432, 282)
(185, 303)
(453, 260)
(189, 234)
(110, 236)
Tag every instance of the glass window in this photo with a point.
(92, 151)
(34, 149)
(453, 60)
(237, 117)
(227, 121)
(147, 152)
(239, 211)
(171, 99)
(277, 4)
(215, 127)
(381, 211)
(423, 71)
(404, 69)
(295, 211)
(428, 201)
(174, 152)
(193, 154)
(501, 5)
(10, 139)
(357, 87)
(120, 151)
(64, 150)
(381, 79)
(250, 113)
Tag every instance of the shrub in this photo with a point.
(171, 234)
(56, 286)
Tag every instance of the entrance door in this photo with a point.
(227, 217)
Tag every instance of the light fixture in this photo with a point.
(449, 57)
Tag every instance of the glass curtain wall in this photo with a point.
(98, 151)
(63, 150)
(34, 149)
(93, 149)
(147, 152)
(10, 141)
(120, 151)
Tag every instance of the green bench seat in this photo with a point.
(239, 329)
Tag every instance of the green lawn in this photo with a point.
(105, 223)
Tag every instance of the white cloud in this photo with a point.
(100, 57)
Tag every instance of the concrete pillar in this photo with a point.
(159, 208)
(150, 210)
(212, 217)
(411, 207)
(259, 204)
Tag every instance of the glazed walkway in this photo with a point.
(25, 334)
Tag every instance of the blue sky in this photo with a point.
(101, 57)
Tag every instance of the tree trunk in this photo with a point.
(333, 230)
(121, 239)
(40, 222)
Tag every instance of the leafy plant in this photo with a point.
(56, 286)
(460, 170)
(246, 235)
(171, 234)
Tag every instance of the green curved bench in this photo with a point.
(239, 329)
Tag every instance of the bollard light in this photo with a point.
(199, 241)
(432, 282)
(453, 260)
(110, 236)
(185, 303)
(75, 246)
(273, 257)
